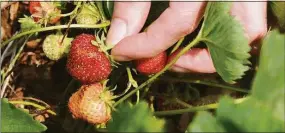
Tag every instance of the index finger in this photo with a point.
(178, 20)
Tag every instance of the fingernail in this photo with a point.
(118, 31)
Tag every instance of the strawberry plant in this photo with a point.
(63, 78)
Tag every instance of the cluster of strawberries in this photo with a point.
(88, 64)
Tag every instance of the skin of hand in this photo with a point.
(178, 20)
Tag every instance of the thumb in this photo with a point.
(128, 19)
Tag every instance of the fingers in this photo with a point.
(128, 19)
(195, 60)
(252, 16)
(180, 19)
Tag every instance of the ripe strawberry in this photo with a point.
(152, 65)
(33, 5)
(45, 10)
(86, 62)
(91, 103)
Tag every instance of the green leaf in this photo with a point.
(268, 85)
(108, 7)
(278, 9)
(263, 110)
(137, 118)
(16, 120)
(27, 23)
(248, 116)
(225, 39)
(205, 122)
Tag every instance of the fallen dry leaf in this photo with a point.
(33, 43)
(14, 10)
(6, 28)
(40, 118)
(5, 4)
(17, 94)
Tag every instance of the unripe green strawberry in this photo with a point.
(54, 49)
(91, 103)
(88, 14)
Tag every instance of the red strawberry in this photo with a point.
(33, 5)
(91, 103)
(173, 55)
(44, 10)
(152, 65)
(85, 62)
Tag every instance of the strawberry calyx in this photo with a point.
(107, 94)
(100, 43)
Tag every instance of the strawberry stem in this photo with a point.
(6, 74)
(101, 11)
(131, 83)
(170, 79)
(105, 24)
(131, 79)
(177, 100)
(150, 80)
(32, 104)
(32, 99)
(138, 97)
(172, 99)
(67, 14)
(177, 45)
(194, 109)
(74, 14)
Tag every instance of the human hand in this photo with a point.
(178, 20)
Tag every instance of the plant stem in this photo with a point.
(32, 104)
(101, 11)
(70, 84)
(11, 65)
(69, 23)
(170, 79)
(32, 99)
(105, 24)
(72, 12)
(131, 79)
(194, 109)
(177, 45)
(67, 14)
(186, 105)
(184, 50)
(5, 84)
